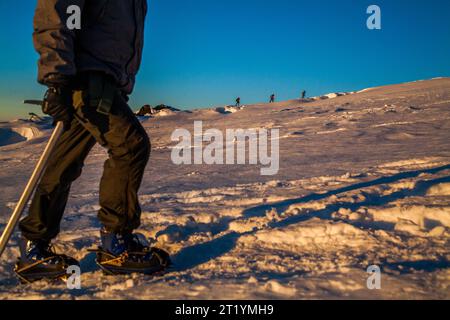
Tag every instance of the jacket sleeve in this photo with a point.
(54, 41)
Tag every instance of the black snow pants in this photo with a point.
(129, 149)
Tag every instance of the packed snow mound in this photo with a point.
(158, 111)
(229, 109)
(420, 215)
(313, 234)
(442, 189)
(28, 132)
(13, 133)
(333, 95)
(164, 113)
(9, 136)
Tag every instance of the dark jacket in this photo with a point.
(110, 40)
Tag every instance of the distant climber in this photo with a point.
(238, 102)
(303, 94)
(272, 98)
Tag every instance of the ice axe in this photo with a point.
(32, 183)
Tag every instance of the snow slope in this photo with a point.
(21, 130)
(364, 180)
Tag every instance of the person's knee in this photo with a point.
(59, 178)
(141, 147)
(73, 172)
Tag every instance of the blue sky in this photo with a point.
(202, 53)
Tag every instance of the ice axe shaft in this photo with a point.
(31, 185)
(35, 102)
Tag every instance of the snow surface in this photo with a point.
(20, 130)
(364, 180)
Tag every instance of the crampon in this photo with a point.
(31, 271)
(153, 261)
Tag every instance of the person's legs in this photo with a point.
(128, 147)
(129, 150)
(50, 198)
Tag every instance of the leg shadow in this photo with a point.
(405, 267)
(372, 200)
(195, 255)
(87, 264)
(200, 253)
(184, 232)
(283, 205)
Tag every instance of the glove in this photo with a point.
(59, 105)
